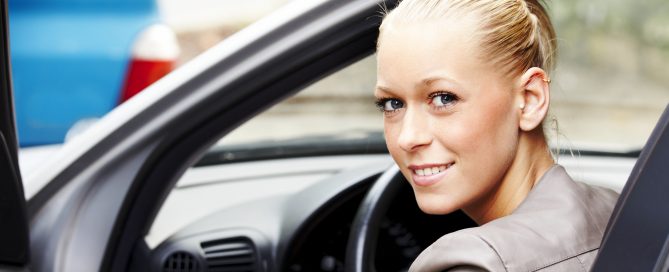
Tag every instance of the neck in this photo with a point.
(532, 160)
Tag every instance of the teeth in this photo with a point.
(431, 171)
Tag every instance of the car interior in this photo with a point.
(298, 181)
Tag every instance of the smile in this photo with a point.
(425, 175)
(429, 170)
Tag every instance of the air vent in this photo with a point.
(230, 255)
(181, 262)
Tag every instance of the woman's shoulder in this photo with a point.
(464, 249)
(474, 250)
(559, 225)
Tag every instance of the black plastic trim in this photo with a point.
(637, 231)
(193, 245)
(14, 242)
(371, 143)
(310, 147)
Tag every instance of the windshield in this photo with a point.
(608, 90)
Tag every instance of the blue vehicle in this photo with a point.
(76, 60)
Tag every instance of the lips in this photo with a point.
(428, 174)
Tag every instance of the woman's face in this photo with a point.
(450, 116)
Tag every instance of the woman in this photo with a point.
(464, 87)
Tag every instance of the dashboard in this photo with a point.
(286, 215)
(294, 215)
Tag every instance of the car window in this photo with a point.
(340, 104)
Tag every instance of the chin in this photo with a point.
(434, 204)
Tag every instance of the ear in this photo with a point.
(535, 97)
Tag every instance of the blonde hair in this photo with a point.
(517, 34)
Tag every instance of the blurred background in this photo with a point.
(610, 86)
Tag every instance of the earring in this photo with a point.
(547, 80)
(522, 107)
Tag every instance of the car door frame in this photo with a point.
(637, 235)
(14, 246)
(325, 38)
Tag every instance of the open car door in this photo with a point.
(637, 236)
(14, 249)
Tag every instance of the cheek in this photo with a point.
(484, 138)
(391, 132)
(492, 127)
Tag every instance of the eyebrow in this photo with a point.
(385, 90)
(428, 81)
(425, 82)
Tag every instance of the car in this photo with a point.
(147, 188)
(74, 61)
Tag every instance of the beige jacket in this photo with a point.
(558, 227)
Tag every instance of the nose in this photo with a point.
(415, 131)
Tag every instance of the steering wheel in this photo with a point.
(361, 245)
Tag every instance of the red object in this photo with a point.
(143, 73)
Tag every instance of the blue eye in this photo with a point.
(443, 99)
(389, 104)
(393, 104)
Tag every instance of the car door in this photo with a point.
(637, 236)
(14, 249)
